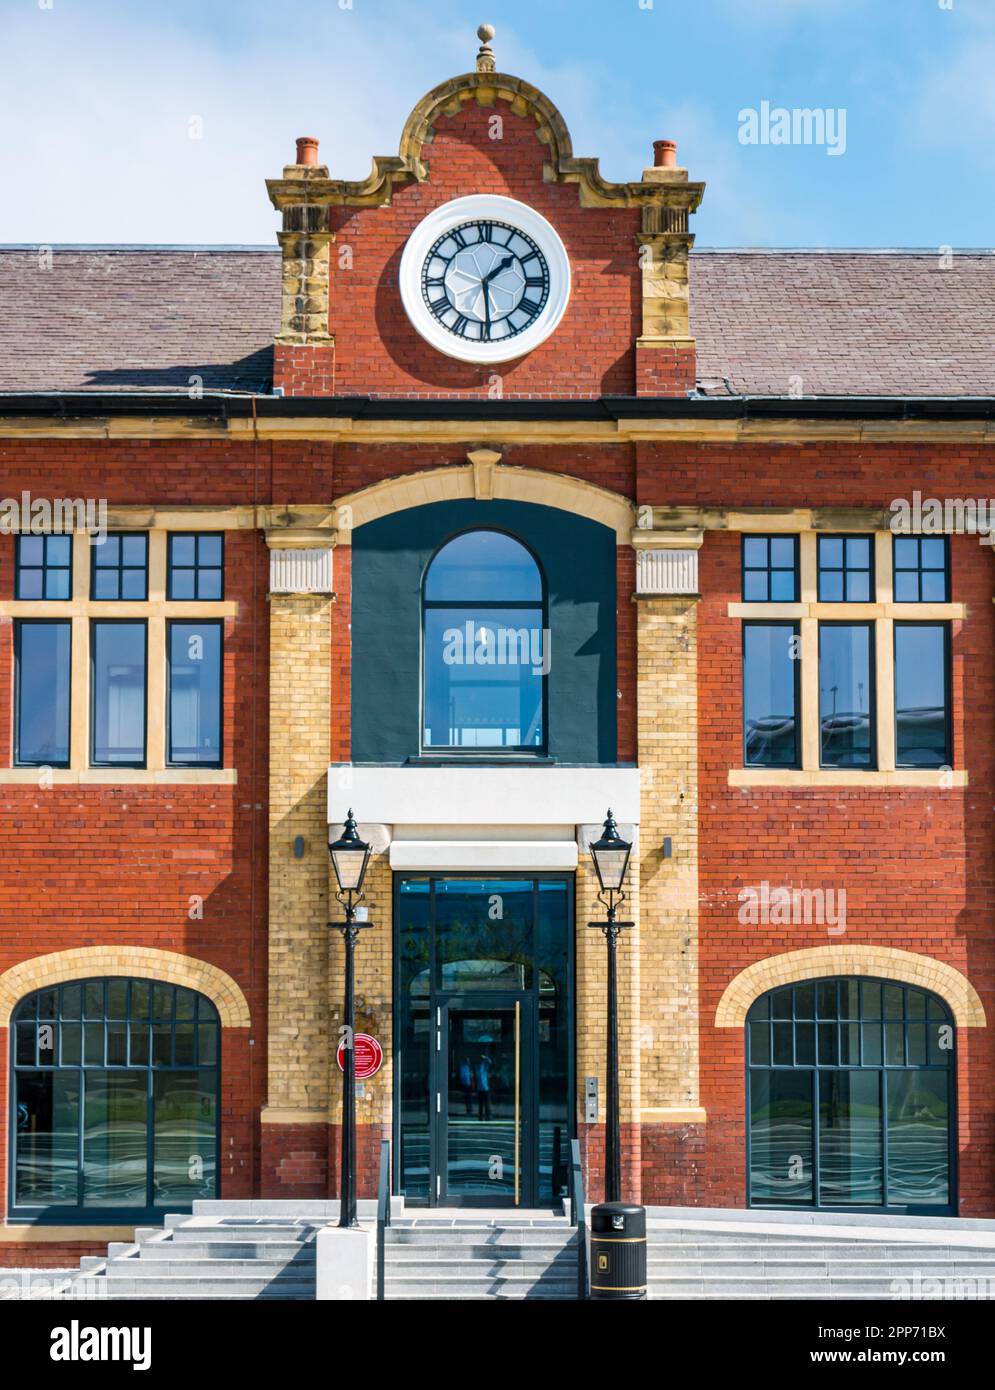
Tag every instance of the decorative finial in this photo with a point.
(485, 58)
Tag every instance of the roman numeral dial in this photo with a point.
(485, 281)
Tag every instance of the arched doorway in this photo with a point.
(851, 1098)
(114, 1100)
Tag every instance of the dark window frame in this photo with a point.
(499, 753)
(870, 625)
(768, 569)
(19, 624)
(846, 569)
(948, 725)
(200, 622)
(196, 567)
(80, 1214)
(917, 570)
(102, 622)
(794, 625)
(118, 569)
(950, 1067)
(44, 567)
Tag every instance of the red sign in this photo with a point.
(368, 1056)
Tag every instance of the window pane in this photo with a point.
(781, 1139)
(782, 586)
(57, 584)
(182, 584)
(858, 586)
(182, 549)
(115, 1127)
(769, 728)
(195, 693)
(133, 584)
(755, 552)
(921, 738)
(107, 551)
(830, 552)
(470, 954)
(782, 552)
(118, 695)
(845, 695)
(483, 677)
(831, 586)
(850, 1139)
(483, 566)
(209, 550)
(185, 1120)
(42, 693)
(31, 550)
(106, 584)
(755, 586)
(47, 1163)
(918, 1145)
(906, 586)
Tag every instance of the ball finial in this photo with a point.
(485, 58)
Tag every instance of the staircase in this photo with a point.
(204, 1257)
(481, 1257)
(752, 1255)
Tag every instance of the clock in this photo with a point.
(485, 278)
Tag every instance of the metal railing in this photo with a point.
(578, 1217)
(383, 1216)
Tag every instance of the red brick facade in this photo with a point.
(105, 865)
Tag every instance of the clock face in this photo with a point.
(485, 278)
(485, 281)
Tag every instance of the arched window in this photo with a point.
(114, 1099)
(851, 1097)
(485, 646)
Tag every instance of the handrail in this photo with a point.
(383, 1215)
(578, 1217)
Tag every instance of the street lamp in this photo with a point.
(618, 1229)
(350, 856)
(611, 860)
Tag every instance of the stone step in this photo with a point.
(820, 1251)
(242, 1234)
(488, 1288)
(835, 1287)
(271, 1250)
(221, 1286)
(207, 1269)
(479, 1236)
(832, 1269)
(479, 1269)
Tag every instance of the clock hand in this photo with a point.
(502, 265)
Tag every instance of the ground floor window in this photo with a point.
(114, 1099)
(851, 1097)
(484, 1039)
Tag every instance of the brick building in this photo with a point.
(365, 551)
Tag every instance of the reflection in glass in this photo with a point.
(921, 696)
(47, 1153)
(845, 694)
(850, 1159)
(781, 1145)
(878, 1062)
(770, 736)
(485, 648)
(195, 693)
(42, 693)
(482, 1116)
(118, 694)
(918, 1137)
(185, 1130)
(115, 1138)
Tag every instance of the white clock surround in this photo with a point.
(484, 207)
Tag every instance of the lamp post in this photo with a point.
(611, 860)
(350, 856)
(618, 1229)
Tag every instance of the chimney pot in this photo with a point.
(307, 150)
(665, 154)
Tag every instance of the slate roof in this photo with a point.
(847, 323)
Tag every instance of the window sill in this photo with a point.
(840, 777)
(111, 776)
(480, 760)
(851, 612)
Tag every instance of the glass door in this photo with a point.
(485, 1101)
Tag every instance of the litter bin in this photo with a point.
(618, 1251)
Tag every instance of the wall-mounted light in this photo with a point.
(299, 847)
(668, 847)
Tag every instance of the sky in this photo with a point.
(149, 122)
